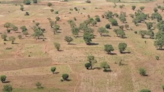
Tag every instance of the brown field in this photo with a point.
(24, 72)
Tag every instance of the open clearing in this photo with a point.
(29, 60)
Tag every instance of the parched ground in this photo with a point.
(23, 72)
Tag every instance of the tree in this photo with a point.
(88, 37)
(12, 39)
(105, 65)
(35, 1)
(37, 32)
(7, 88)
(122, 47)
(142, 33)
(4, 36)
(108, 48)
(142, 7)
(49, 4)
(107, 26)
(53, 69)
(8, 25)
(57, 18)
(145, 90)
(21, 7)
(15, 28)
(142, 71)
(65, 76)
(113, 21)
(133, 7)
(155, 10)
(102, 30)
(68, 39)
(149, 25)
(98, 19)
(3, 78)
(163, 87)
(27, 2)
(120, 32)
(87, 65)
(75, 31)
(57, 46)
(23, 28)
(91, 60)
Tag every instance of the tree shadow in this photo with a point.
(161, 49)
(107, 71)
(98, 68)
(128, 52)
(71, 44)
(8, 48)
(93, 44)
(15, 43)
(60, 50)
(56, 73)
(123, 37)
(106, 36)
(6, 82)
(112, 53)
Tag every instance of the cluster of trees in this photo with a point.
(109, 48)
(120, 33)
(150, 33)
(28, 2)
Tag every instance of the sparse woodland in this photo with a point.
(82, 46)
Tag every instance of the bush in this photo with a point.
(20, 36)
(7, 88)
(145, 90)
(57, 18)
(39, 85)
(68, 39)
(107, 26)
(56, 12)
(52, 10)
(65, 76)
(163, 87)
(142, 71)
(108, 48)
(3, 78)
(57, 46)
(157, 57)
(27, 2)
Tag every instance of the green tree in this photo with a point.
(27, 2)
(8, 25)
(145, 90)
(133, 7)
(3, 78)
(68, 39)
(87, 65)
(142, 7)
(37, 32)
(49, 4)
(21, 7)
(4, 36)
(142, 71)
(98, 19)
(57, 46)
(23, 28)
(122, 47)
(57, 18)
(102, 30)
(12, 39)
(120, 32)
(65, 76)
(163, 87)
(88, 37)
(53, 69)
(75, 31)
(105, 65)
(142, 33)
(7, 88)
(113, 21)
(155, 10)
(15, 28)
(107, 26)
(35, 1)
(91, 60)
(108, 48)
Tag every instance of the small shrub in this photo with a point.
(27, 2)
(20, 36)
(88, 65)
(157, 57)
(52, 10)
(56, 12)
(98, 19)
(27, 14)
(163, 87)
(53, 69)
(39, 85)
(88, 1)
(142, 71)
(3, 78)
